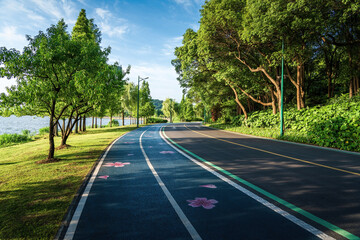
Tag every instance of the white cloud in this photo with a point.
(110, 25)
(10, 38)
(169, 46)
(184, 2)
(102, 12)
(162, 80)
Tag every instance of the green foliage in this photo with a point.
(6, 139)
(168, 108)
(44, 130)
(115, 123)
(334, 125)
(156, 120)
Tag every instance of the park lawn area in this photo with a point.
(34, 197)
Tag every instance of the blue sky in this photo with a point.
(141, 33)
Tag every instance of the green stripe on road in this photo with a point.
(314, 218)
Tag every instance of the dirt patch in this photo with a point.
(63, 147)
(45, 161)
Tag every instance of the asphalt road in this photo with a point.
(319, 181)
(192, 182)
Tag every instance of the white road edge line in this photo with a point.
(264, 202)
(75, 218)
(192, 231)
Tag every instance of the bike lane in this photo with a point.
(127, 199)
(216, 208)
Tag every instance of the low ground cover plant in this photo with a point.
(336, 124)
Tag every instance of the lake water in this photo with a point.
(15, 124)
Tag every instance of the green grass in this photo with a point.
(34, 197)
(274, 133)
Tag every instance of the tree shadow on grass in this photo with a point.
(35, 210)
(108, 130)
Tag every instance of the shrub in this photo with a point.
(156, 120)
(13, 138)
(115, 123)
(44, 130)
(334, 125)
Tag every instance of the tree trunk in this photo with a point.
(95, 122)
(238, 102)
(84, 123)
(110, 124)
(101, 122)
(80, 124)
(300, 93)
(63, 128)
(123, 118)
(92, 123)
(77, 125)
(51, 134)
(56, 130)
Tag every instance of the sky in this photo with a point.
(141, 33)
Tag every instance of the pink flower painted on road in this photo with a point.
(167, 152)
(208, 186)
(203, 202)
(130, 154)
(116, 164)
(150, 146)
(129, 142)
(104, 177)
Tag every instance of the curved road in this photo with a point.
(179, 181)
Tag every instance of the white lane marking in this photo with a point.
(75, 218)
(192, 231)
(276, 209)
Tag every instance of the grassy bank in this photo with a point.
(336, 124)
(34, 197)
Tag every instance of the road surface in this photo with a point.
(185, 181)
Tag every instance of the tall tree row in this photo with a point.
(60, 75)
(237, 52)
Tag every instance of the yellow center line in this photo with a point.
(277, 154)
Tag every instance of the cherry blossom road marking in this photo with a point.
(167, 152)
(104, 177)
(130, 154)
(192, 231)
(208, 186)
(203, 202)
(129, 142)
(116, 164)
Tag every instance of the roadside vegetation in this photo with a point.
(34, 197)
(231, 68)
(336, 124)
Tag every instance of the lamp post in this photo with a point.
(138, 99)
(282, 92)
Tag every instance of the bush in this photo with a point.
(334, 125)
(14, 138)
(44, 130)
(115, 123)
(156, 120)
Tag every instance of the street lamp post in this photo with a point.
(138, 99)
(282, 92)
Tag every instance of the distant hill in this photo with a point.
(158, 103)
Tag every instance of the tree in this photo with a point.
(147, 107)
(91, 84)
(44, 71)
(168, 108)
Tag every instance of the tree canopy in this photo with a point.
(238, 50)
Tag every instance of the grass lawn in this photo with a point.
(34, 197)
(289, 135)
